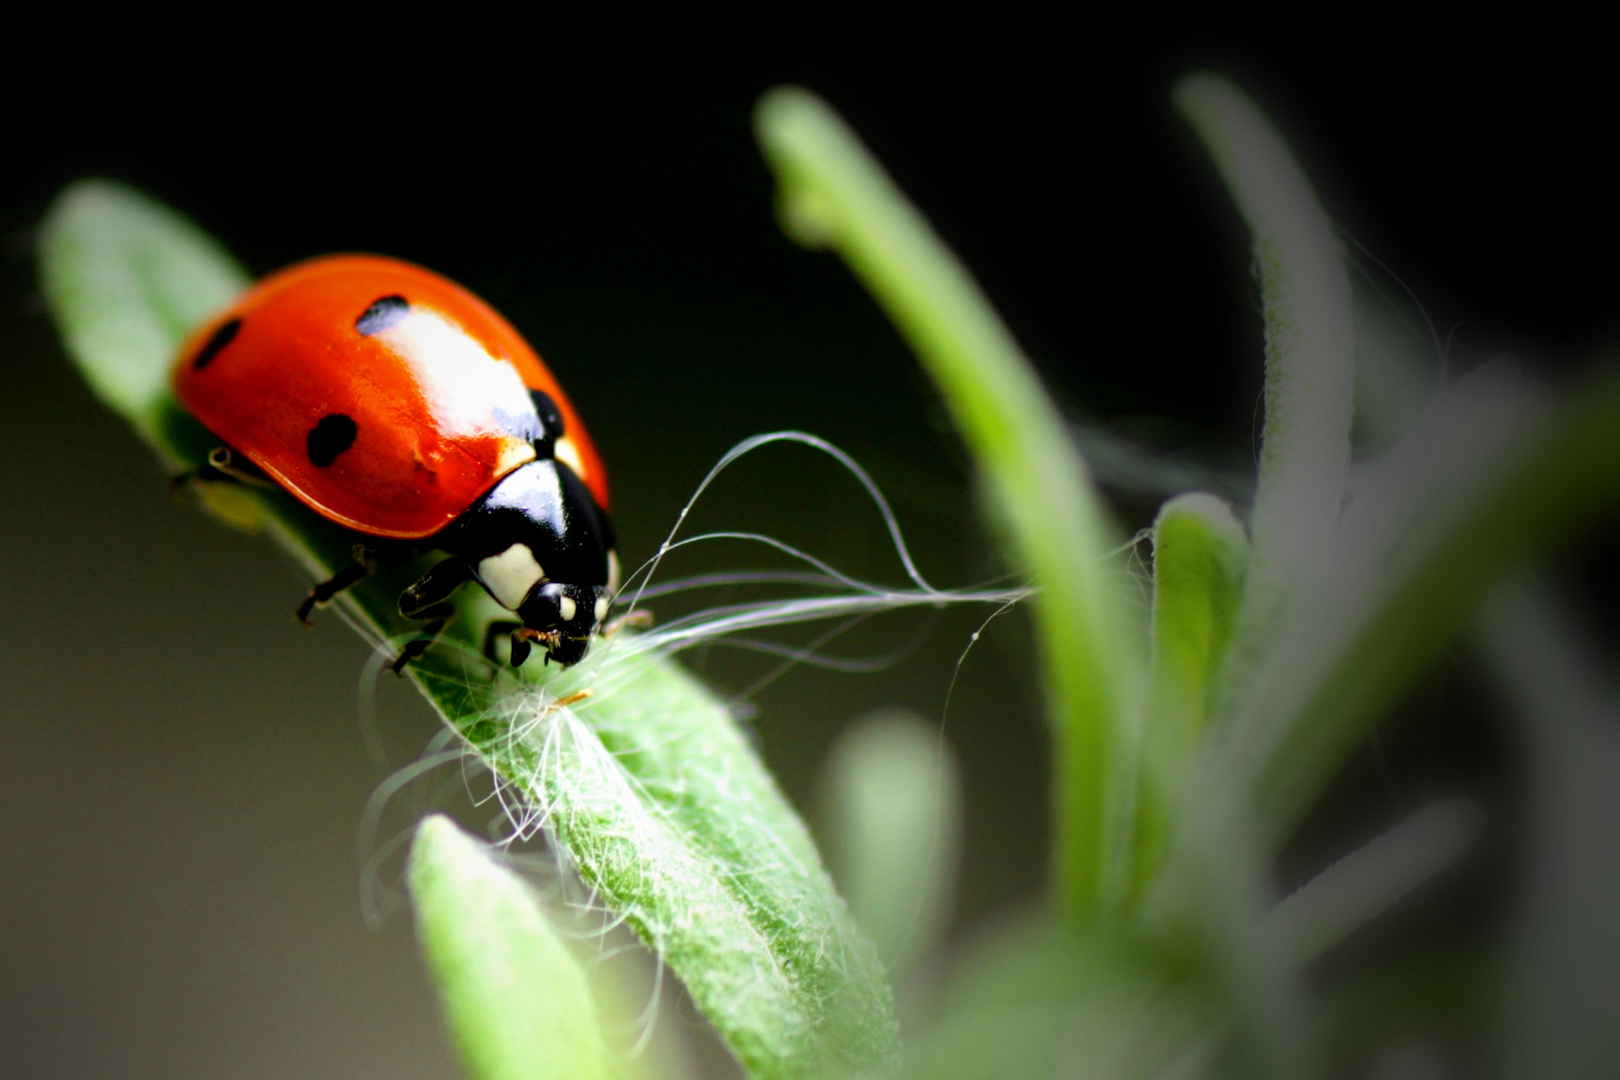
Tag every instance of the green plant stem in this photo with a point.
(834, 194)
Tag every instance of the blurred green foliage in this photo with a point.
(1190, 734)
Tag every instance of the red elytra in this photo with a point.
(425, 399)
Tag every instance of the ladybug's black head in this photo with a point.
(563, 619)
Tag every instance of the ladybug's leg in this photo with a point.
(226, 462)
(440, 614)
(425, 600)
(349, 576)
(493, 632)
(223, 464)
(434, 588)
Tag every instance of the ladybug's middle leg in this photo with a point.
(440, 614)
(349, 576)
(223, 465)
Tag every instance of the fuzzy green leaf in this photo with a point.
(515, 1000)
(834, 194)
(648, 787)
(127, 278)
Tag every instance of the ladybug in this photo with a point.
(397, 404)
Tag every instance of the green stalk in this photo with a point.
(834, 194)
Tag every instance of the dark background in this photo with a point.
(181, 770)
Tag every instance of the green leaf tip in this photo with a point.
(1200, 551)
(676, 823)
(894, 807)
(516, 1002)
(1052, 522)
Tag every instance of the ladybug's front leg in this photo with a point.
(434, 587)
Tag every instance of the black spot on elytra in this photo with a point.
(329, 438)
(212, 347)
(385, 311)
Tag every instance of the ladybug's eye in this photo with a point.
(384, 312)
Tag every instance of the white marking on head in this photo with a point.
(566, 452)
(567, 608)
(613, 572)
(601, 608)
(510, 575)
